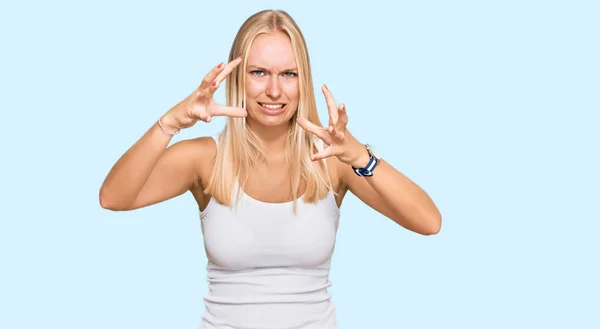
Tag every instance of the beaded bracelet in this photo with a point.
(164, 130)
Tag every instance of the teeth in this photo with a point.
(272, 107)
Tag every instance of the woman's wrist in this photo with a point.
(168, 125)
(362, 159)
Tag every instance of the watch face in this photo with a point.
(373, 152)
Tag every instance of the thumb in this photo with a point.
(230, 111)
(327, 152)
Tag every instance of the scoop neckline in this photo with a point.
(249, 197)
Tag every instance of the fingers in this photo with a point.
(230, 111)
(225, 72)
(211, 76)
(320, 132)
(331, 106)
(336, 134)
(342, 116)
(211, 81)
(325, 153)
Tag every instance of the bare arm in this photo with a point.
(149, 172)
(395, 196)
(388, 191)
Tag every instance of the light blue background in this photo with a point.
(491, 107)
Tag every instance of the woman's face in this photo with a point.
(272, 87)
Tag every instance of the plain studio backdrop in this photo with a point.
(490, 106)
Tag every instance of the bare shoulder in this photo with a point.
(201, 151)
(179, 169)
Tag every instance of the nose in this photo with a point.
(273, 87)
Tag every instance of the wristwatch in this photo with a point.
(373, 162)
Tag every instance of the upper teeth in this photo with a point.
(272, 106)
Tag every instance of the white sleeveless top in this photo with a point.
(268, 268)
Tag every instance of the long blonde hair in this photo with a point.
(239, 149)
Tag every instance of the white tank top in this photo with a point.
(268, 268)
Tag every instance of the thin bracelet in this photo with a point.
(164, 130)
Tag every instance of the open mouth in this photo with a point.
(272, 108)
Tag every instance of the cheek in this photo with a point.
(254, 88)
(292, 90)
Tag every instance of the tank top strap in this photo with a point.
(216, 138)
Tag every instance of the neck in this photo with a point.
(273, 137)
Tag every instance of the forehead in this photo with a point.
(272, 51)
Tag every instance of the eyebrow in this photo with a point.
(264, 69)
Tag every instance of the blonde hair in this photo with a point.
(239, 149)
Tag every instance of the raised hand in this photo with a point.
(200, 104)
(339, 140)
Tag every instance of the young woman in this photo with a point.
(268, 187)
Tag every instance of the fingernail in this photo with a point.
(220, 66)
(214, 84)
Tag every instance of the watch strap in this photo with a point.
(368, 169)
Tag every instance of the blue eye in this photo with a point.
(257, 72)
(289, 74)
